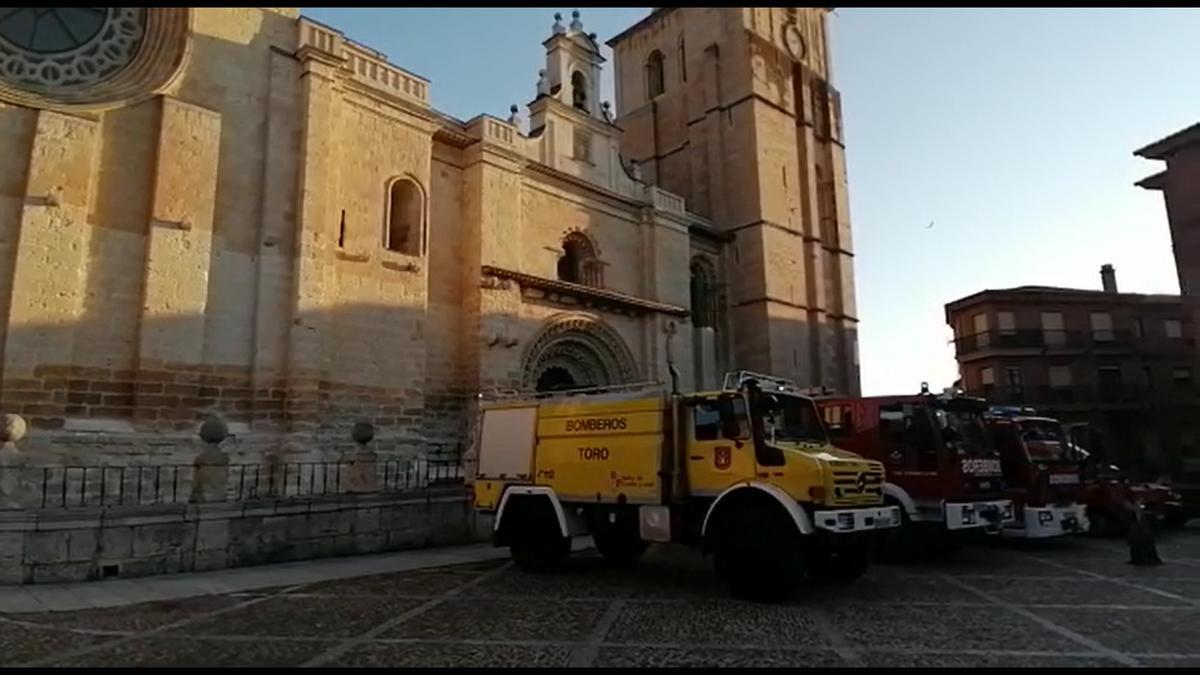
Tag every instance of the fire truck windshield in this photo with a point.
(964, 431)
(1044, 441)
(791, 418)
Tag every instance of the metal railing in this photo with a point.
(1048, 339)
(73, 486)
(1128, 394)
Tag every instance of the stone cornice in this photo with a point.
(597, 297)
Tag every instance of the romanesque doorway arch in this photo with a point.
(576, 351)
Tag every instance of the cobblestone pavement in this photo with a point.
(1072, 603)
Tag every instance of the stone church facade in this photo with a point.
(244, 212)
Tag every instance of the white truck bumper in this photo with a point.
(1039, 522)
(972, 515)
(845, 521)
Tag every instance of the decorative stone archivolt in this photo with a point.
(90, 58)
(577, 350)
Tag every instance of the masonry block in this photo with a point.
(116, 542)
(61, 573)
(81, 545)
(212, 535)
(150, 540)
(45, 548)
(366, 520)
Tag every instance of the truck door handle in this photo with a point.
(696, 458)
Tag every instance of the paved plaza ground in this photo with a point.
(1072, 603)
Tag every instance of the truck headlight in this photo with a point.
(968, 516)
(1045, 517)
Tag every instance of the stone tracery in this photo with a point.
(577, 350)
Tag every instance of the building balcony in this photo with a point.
(1078, 397)
(1037, 342)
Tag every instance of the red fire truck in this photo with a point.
(942, 468)
(1042, 471)
(1109, 494)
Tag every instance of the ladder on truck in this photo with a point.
(735, 379)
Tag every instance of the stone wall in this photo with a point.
(84, 544)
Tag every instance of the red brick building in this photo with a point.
(1124, 362)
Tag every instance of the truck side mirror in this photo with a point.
(731, 427)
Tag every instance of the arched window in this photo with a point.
(579, 91)
(703, 295)
(654, 74)
(578, 264)
(405, 217)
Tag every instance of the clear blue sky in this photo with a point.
(1012, 130)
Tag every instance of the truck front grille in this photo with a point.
(857, 486)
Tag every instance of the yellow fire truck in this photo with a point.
(746, 473)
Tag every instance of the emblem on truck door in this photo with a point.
(862, 482)
(723, 457)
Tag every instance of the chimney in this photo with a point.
(1108, 278)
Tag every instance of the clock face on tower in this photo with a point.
(794, 41)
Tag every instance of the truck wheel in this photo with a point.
(898, 544)
(537, 544)
(840, 567)
(619, 547)
(758, 555)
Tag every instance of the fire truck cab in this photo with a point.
(942, 468)
(1042, 470)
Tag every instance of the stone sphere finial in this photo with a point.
(362, 432)
(576, 24)
(512, 109)
(558, 27)
(214, 430)
(12, 429)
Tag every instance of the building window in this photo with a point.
(405, 217)
(703, 292)
(1182, 377)
(1102, 330)
(1007, 323)
(578, 264)
(1110, 382)
(582, 142)
(1060, 377)
(980, 322)
(1013, 382)
(682, 61)
(1173, 328)
(1052, 329)
(579, 94)
(987, 376)
(655, 84)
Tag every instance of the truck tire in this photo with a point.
(898, 544)
(537, 544)
(619, 546)
(757, 554)
(840, 567)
